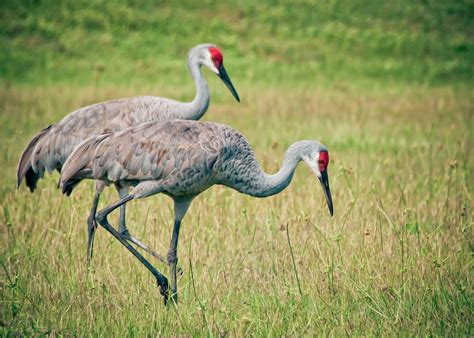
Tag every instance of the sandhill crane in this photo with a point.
(49, 149)
(182, 159)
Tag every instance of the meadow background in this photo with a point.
(386, 86)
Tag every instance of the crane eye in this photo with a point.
(323, 161)
(322, 165)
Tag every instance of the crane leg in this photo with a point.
(125, 233)
(92, 226)
(91, 222)
(101, 217)
(173, 260)
(180, 208)
(122, 191)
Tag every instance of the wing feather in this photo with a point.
(185, 156)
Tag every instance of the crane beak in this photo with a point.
(225, 78)
(324, 179)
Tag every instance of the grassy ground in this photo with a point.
(269, 42)
(396, 259)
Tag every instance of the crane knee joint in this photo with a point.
(100, 217)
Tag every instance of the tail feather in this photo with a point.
(78, 165)
(25, 169)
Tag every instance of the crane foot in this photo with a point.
(164, 291)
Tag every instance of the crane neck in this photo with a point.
(198, 106)
(267, 185)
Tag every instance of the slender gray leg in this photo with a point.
(173, 260)
(122, 191)
(92, 225)
(101, 217)
(125, 233)
(180, 209)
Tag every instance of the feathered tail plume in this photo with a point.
(78, 165)
(25, 169)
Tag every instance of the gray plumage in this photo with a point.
(50, 148)
(182, 159)
(179, 158)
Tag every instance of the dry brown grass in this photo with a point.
(395, 258)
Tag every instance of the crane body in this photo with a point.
(50, 148)
(182, 159)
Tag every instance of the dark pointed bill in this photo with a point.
(224, 77)
(324, 179)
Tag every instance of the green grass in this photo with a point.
(387, 89)
(271, 43)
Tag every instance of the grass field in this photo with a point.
(387, 89)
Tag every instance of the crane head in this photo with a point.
(323, 163)
(318, 161)
(215, 62)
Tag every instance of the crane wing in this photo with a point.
(181, 151)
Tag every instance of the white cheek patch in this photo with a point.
(312, 165)
(209, 64)
(214, 68)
